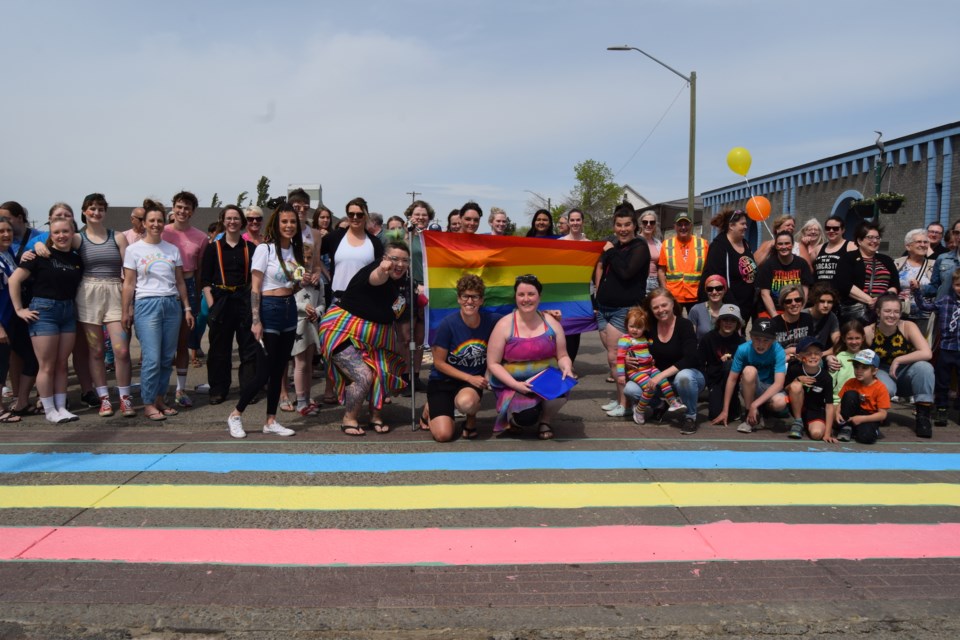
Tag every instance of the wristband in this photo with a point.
(185, 309)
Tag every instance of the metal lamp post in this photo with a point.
(692, 81)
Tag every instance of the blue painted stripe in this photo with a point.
(476, 461)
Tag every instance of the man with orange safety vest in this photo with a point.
(681, 261)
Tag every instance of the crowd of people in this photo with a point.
(812, 327)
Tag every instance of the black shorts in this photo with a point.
(441, 394)
(813, 415)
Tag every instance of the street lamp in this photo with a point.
(542, 199)
(692, 81)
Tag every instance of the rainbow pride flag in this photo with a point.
(565, 269)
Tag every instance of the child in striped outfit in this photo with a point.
(638, 371)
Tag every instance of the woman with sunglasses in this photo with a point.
(704, 315)
(865, 275)
(254, 226)
(523, 344)
(793, 324)
(350, 249)
(651, 234)
(825, 262)
(730, 257)
(359, 339)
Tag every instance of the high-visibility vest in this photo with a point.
(673, 275)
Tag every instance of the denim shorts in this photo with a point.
(617, 316)
(278, 314)
(55, 317)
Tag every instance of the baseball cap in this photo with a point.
(730, 311)
(763, 328)
(867, 357)
(807, 342)
(683, 215)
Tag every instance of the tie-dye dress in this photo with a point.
(522, 358)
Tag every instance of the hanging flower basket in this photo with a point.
(889, 202)
(863, 208)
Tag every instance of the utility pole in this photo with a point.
(413, 196)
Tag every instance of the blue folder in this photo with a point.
(550, 383)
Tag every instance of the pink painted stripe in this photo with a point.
(716, 541)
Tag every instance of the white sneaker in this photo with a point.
(618, 411)
(676, 405)
(745, 427)
(67, 416)
(54, 417)
(638, 416)
(202, 388)
(613, 404)
(278, 429)
(235, 427)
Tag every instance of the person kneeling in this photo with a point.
(762, 365)
(810, 388)
(864, 401)
(459, 364)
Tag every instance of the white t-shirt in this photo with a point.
(349, 260)
(265, 261)
(156, 267)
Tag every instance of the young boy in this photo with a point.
(762, 364)
(810, 388)
(864, 401)
(715, 352)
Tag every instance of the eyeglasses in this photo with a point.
(355, 215)
(648, 223)
(833, 228)
(470, 297)
(397, 260)
(139, 218)
(872, 238)
(793, 301)
(714, 289)
(254, 219)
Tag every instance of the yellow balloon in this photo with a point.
(739, 161)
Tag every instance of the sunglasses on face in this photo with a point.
(793, 301)
(355, 215)
(715, 289)
(648, 223)
(254, 219)
(833, 228)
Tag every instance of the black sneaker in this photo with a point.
(91, 399)
(689, 426)
(940, 418)
(796, 431)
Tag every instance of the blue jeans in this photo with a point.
(915, 379)
(688, 383)
(158, 326)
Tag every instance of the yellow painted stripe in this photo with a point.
(478, 496)
(506, 276)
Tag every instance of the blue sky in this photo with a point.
(454, 99)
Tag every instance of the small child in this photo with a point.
(864, 401)
(715, 351)
(636, 377)
(810, 388)
(948, 359)
(852, 339)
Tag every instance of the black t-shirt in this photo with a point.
(790, 333)
(680, 351)
(56, 277)
(384, 304)
(775, 275)
(817, 395)
(712, 347)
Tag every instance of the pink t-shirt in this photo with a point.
(191, 244)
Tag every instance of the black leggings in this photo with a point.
(865, 432)
(573, 346)
(271, 370)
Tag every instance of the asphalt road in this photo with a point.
(115, 528)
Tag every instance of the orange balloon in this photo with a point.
(758, 208)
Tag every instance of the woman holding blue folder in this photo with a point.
(522, 345)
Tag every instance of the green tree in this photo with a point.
(216, 202)
(263, 191)
(241, 198)
(596, 194)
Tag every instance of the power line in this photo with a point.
(634, 155)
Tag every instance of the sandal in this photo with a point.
(169, 411)
(357, 430)
(546, 433)
(311, 409)
(196, 363)
(8, 417)
(286, 405)
(424, 425)
(610, 380)
(467, 434)
(379, 427)
(29, 410)
(156, 416)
